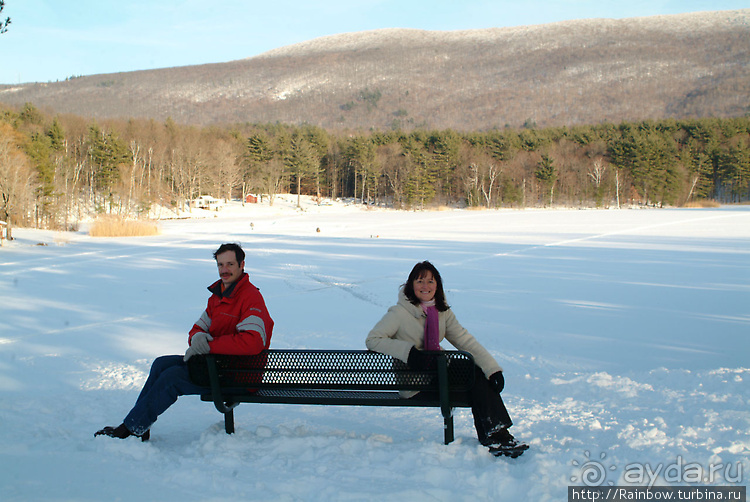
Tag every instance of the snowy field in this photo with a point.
(624, 335)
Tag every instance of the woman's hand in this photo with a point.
(418, 360)
(497, 380)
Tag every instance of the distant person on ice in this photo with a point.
(235, 321)
(420, 321)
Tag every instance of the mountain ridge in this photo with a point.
(566, 73)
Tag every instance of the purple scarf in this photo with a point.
(431, 327)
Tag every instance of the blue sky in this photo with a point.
(51, 40)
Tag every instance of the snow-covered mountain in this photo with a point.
(575, 72)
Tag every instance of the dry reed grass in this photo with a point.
(703, 203)
(117, 226)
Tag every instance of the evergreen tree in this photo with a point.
(360, 154)
(106, 152)
(259, 149)
(650, 156)
(504, 145)
(735, 170)
(419, 187)
(320, 141)
(546, 173)
(30, 115)
(56, 135)
(266, 168)
(443, 147)
(302, 161)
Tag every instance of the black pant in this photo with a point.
(487, 406)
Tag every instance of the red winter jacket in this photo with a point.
(237, 319)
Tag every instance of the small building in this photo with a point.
(251, 199)
(208, 202)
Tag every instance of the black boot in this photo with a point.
(121, 432)
(502, 442)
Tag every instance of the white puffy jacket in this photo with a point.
(402, 328)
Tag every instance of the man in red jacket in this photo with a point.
(235, 321)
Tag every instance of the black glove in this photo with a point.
(497, 381)
(418, 360)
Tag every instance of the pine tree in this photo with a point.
(546, 173)
(302, 161)
(56, 135)
(106, 152)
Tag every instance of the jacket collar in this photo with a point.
(215, 288)
(414, 310)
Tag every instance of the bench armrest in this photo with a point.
(213, 378)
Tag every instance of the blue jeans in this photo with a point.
(167, 381)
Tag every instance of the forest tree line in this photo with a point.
(57, 170)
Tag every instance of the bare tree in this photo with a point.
(391, 157)
(492, 173)
(230, 154)
(696, 178)
(133, 170)
(15, 178)
(617, 187)
(596, 173)
(3, 24)
(269, 176)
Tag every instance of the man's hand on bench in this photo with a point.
(198, 345)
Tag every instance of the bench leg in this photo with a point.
(445, 402)
(229, 421)
(448, 429)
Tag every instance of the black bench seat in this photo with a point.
(332, 377)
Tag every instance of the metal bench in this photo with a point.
(333, 377)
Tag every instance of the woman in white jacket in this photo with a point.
(420, 321)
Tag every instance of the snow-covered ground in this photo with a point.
(625, 338)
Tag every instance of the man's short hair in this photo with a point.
(231, 246)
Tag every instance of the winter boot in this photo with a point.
(121, 432)
(502, 443)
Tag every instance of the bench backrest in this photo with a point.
(330, 369)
